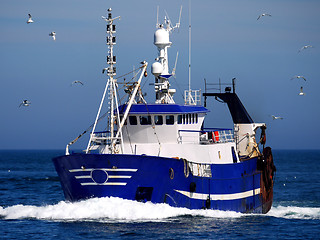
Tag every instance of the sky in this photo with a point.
(227, 41)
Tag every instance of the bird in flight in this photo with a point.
(264, 14)
(305, 47)
(276, 118)
(53, 35)
(30, 19)
(299, 77)
(25, 103)
(77, 81)
(301, 93)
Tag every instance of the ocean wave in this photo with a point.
(293, 212)
(111, 209)
(105, 209)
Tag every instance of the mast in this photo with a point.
(189, 94)
(160, 68)
(111, 83)
(191, 97)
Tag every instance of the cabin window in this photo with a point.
(192, 117)
(158, 120)
(184, 119)
(169, 119)
(125, 122)
(196, 117)
(133, 120)
(189, 118)
(179, 119)
(145, 120)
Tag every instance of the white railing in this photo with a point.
(103, 138)
(207, 136)
(192, 97)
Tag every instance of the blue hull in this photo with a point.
(235, 187)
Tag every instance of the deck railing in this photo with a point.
(102, 138)
(206, 136)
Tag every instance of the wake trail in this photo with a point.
(117, 209)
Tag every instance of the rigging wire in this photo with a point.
(85, 131)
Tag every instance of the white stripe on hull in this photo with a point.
(231, 196)
(104, 169)
(106, 183)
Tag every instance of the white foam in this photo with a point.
(117, 209)
(106, 209)
(293, 212)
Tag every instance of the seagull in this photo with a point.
(29, 20)
(276, 118)
(53, 35)
(25, 103)
(301, 93)
(263, 14)
(298, 76)
(305, 47)
(77, 81)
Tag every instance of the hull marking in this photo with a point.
(231, 196)
(104, 169)
(113, 176)
(105, 184)
(89, 180)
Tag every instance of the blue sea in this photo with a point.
(32, 206)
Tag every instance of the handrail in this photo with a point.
(213, 135)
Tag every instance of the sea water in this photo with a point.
(32, 206)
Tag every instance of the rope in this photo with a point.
(185, 167)
(132, 72)
(77, 138)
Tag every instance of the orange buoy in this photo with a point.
(216, 136)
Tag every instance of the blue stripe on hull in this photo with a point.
(234, 187)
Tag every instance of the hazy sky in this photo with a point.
(227, 41)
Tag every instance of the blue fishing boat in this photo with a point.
(161, 152)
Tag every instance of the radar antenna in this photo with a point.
(160, 68)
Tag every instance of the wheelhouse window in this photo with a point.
(125, 122)
(133, 120)
(145, 120)
(188, 118)
(158, 120)
(169, 119)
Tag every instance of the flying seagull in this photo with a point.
(77, 81)
(298, 76)
(29, 20)
(263, 14)
(276, 118)
(301, 93)
(25, 103)
(53, 35)
(305, 47)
